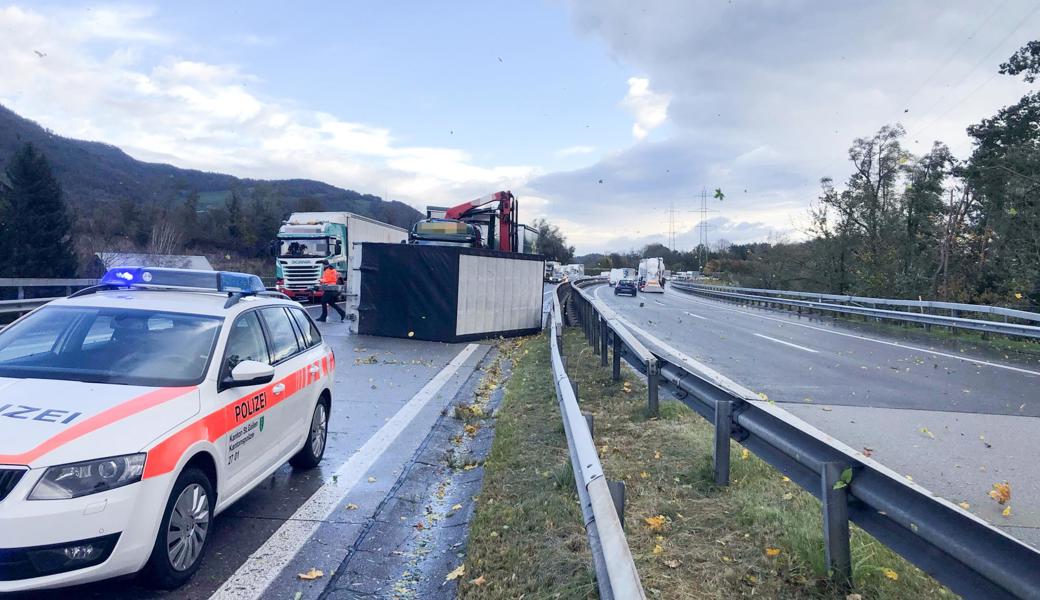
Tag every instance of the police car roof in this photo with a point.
(170, 300)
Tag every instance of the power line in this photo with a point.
(949, 59)
(980, 62)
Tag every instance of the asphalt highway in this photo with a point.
(388, 395)
(953, 418)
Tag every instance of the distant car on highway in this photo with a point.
(133, 412)
(626, 286)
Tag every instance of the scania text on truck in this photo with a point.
(307, 239)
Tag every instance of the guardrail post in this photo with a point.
(836, 524)
(616, 374)
(653, 378)
(723, 431)
(21, 293)
(603, 342)
(617, 494)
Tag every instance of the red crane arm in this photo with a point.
(506, 199)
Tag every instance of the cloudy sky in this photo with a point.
(602, 115)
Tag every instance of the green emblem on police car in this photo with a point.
(261, 422)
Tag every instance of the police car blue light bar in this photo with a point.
(217, 281)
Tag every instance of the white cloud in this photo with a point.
(765, 97)
(649, 108)
(574, 151)
(208, 116)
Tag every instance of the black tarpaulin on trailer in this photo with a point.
(412, 291)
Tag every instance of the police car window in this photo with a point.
(283, 342)
(39, 340)
(311, 337)
(245, 342)
(109, 345)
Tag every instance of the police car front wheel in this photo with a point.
(183, 532)
(317, 434)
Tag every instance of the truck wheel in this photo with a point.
(183, 532)
(314, 448)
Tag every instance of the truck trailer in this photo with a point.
(307, 239)
(650, 272)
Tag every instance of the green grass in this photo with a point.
(527, 539)
(719, 536)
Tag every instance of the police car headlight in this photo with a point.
(88, 477)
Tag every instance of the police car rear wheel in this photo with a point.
(183, 532)
(314, 448)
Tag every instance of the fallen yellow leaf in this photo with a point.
(456, 507)
(891, 574)
(745, 454)
(644, 474)
(310, 575)
(352, 506)
(964, 505)
(1007, 511)
(763, 396)
(459, 572)
(1018, 295)
(371, 479)
(772, 551)
(1001, 492)
(924, 431)
(478, 581)
(655, 523)
(657, 455)
(658, 549)
(785, 478)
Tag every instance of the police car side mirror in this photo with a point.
(250, 372)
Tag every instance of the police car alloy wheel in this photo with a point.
(183, 532)
(313, 450)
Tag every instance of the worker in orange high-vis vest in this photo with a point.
(329, 296)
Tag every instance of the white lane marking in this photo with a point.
(864, 338)
(786, 343)
(659, 302)
(261, 568)
(693, 315)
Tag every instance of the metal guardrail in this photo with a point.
(903, 316)
(954, 307)
(616, 573)
(22, 306)
(971, 557)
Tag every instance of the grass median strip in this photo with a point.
(759, 537)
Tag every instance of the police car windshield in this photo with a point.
(109, 345)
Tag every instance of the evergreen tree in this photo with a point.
(36, 227)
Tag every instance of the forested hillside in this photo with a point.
(120, 203)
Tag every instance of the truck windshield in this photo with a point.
(304, 247)
(109, 345)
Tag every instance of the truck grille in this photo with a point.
(8, 479)
(300, 277)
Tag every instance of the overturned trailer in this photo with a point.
(446, 293)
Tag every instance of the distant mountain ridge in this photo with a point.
(95, 172)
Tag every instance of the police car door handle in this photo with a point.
(278, 389)
(315, 370)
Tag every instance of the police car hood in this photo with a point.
(49, 422)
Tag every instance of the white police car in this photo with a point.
(133, 412)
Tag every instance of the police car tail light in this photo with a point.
(90, 477)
